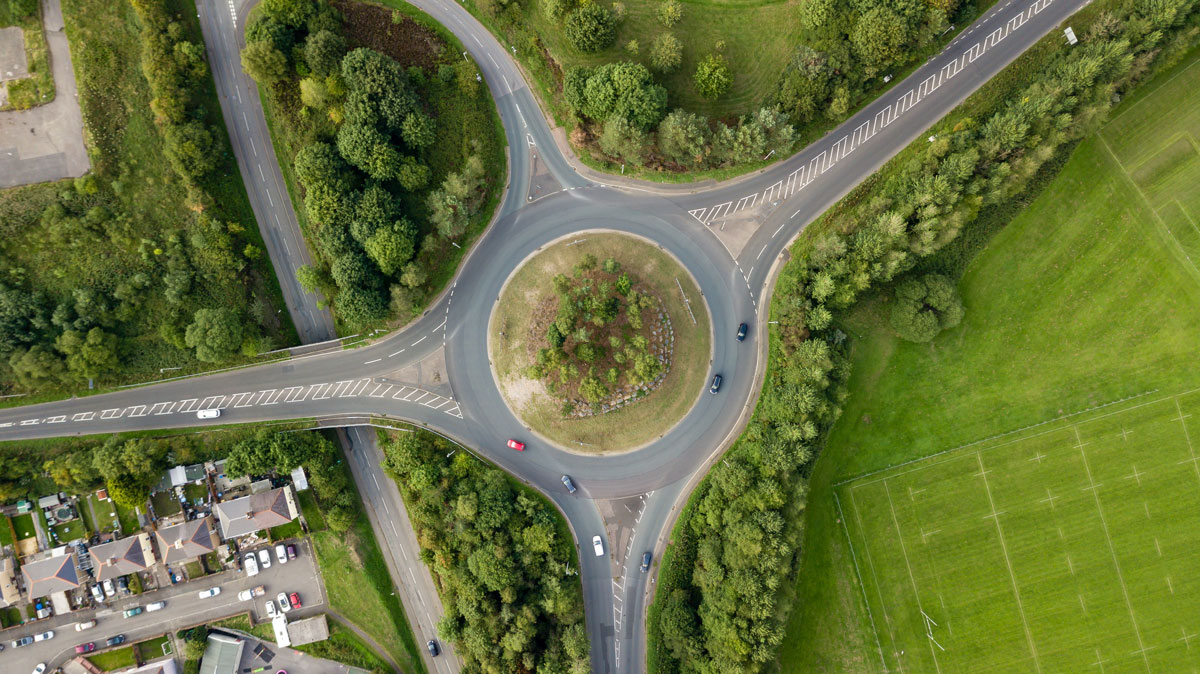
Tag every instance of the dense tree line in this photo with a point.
(720, 606)
(598, 322)
(173, 272)
(504, 565)
(362, 133)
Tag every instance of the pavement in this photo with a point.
(731, 236)
(183, 609)
(46, 142)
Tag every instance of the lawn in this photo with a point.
(113, 660)
(69, 531)
(23, 525)
(104, 511)
(344, 646)
(310, 511)
(285, 531)
(192, 492)
(10, 616)
(6, 531)
(38, 88)
(1085, 299)
(165, 504)
(129, 520)
(640, 422)
(194, 570)
(152, 648)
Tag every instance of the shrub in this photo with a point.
(666, 53)
(925, 306)
(591, 28)
(712, 76)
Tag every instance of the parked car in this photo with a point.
(123, 585)
(283, 602)
(741, 334)
(155, 606)
(130, 612)
(41, 667)
(251, 565)
(208, 414)
(246, 595)
(23, 641)
(434, 651)
(566, 480)
(646, 557)
(79, 627)
(97, 593)
(281, 553)
(86, 648)
(44, 636)
(210, 592)
(264, 559)
(271, 612)
(598, 546)
(109, 590)
(114, 641)
(513, 444)
(716, 384)
(291, 550)
(294, 598)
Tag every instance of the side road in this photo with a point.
(46, 143)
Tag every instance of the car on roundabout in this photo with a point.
(566, 480)
(434, 651)
(716, 384)
(741, 333)
(517, 445)
(598, 546)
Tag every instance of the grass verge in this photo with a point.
(38, 87)
(113, 660)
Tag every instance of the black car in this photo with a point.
(434, 651)
(646, 561)
(115, 641)
(742, 332)
(566, 480)
(716, 384)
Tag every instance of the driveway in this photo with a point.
(184, 608)
(46, 143)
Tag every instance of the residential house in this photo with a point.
(222, 654)
(186, 541)
(47, 576)
(9, 594)
(122, 557)
(256, 512)
(159, 667)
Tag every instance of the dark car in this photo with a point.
(742, 332)
(434, 651)
(123, 585)
(86, 648)
(291, 551)
(566, 480)
(716, 384)
(646, 561)
(23, 641)
(115, 641)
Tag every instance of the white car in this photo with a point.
(40, 668)
(97, 593)
(598, 546)
(271, 613)
(208, 414)
(79, 627)
(264, 559)
(210, 592)
(281, 553)
(155, 606)
(44, 636)
(109, 590)
(245, 595)
(284, 604)
(251, 565)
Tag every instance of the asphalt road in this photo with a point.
(183, 609)
(771, 207)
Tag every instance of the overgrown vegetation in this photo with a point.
(719, 605)
(502, 557)
(393, 142)
(147, 262)
(38, 87)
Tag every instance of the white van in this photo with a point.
(155, 606)
(79, 627)
(208, 414)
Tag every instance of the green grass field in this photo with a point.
(1086, 298)
(23, 524)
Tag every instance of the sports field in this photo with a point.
(1051, 552)
(1090, 296)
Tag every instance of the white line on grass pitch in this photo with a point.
(911, 578)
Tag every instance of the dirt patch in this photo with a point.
(410, 43)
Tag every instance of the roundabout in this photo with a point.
(632, 353)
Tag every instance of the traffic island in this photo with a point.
(600, 342)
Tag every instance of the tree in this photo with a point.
(90, 355)
(36, 366)
(293, 13)
(591, 28)
(313, 93)
(925, 306)
(390, 247)
(263, 62)
(215, 334)
(190, 149)
(418, 130)
(323, 52)
(670, 12)
(684, 137)
(624, 89)
(879, 37)
(621, 138)
(361, 307)
(712, 77)
(666, 53)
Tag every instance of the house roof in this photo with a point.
(251, 513)
(47, 576)
(186, 541)
(9, 594)
(121, 557)
(160, 667)
(49, 501)
(221, 654)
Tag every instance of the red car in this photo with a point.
(519, 446)
(86, 648)
(295, 599)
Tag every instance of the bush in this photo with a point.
(591, 28)
(925, 306)
(670, 12)
(666, 53)
(712, 77)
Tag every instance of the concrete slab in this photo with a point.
(13, 65)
